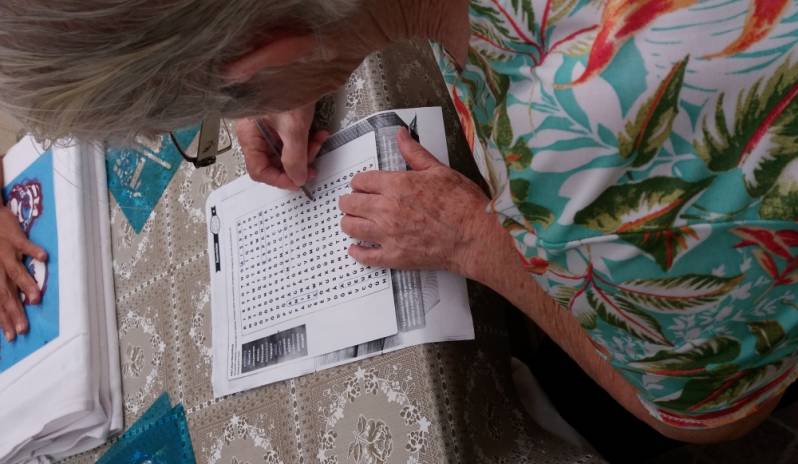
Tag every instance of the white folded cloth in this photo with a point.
(64, 397)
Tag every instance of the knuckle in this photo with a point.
(346, 225)
(388, 207)
(383, 212)
(363, 181)
(395, 256)
(368, 228)
(251, 154)
(368, 259)
(392, 225)
(390, 255)
(14, 273)
(417, 151)
(343, 203)
(357, 182)
(256, 175)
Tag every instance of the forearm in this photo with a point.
(498, 266)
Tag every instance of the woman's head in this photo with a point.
(111, 68)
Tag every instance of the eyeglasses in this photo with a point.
(214, 139)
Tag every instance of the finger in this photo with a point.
(314, 147)
(373, 181)
(28, 248)
(368, 256)
(7, 325)
(293, 128)
(417, 157)
(8, 302)
(363, 205)
(262, 165)
(361, 229)
(274, 177)
(23, 280)
(295, 156)
(251, 139)
(14, 309)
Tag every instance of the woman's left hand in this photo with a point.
(429, 218)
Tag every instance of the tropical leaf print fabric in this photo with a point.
(644, 155)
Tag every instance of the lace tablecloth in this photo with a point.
(450, 402)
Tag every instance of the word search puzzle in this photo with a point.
(280, 266)
(292, 256)
(286, 297)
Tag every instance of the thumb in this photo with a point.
(416, 156)
(295, 159)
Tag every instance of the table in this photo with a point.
(449, 402)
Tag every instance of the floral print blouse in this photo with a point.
(644, 156)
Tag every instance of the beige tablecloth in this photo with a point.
(451, 402)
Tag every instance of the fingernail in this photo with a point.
(9, 336)
(22, 328)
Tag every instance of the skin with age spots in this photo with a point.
(392, 209)
(431, 217)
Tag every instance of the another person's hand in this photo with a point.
(290, 169)
(429, 218)
(14, 245)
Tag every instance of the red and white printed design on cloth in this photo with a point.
(25, 201)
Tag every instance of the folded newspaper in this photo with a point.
(60, 384)
(288, 300)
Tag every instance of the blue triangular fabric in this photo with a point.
(137, 177)
(160, 436)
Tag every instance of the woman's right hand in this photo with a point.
(291, 168)
(14, 245)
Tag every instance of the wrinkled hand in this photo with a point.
(290, 169)
(427, 218)
(13, 275)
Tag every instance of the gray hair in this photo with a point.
(112, 69)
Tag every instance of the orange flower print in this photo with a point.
(762, 17)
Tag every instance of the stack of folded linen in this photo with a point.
(60, 384)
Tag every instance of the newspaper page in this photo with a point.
(287, 299)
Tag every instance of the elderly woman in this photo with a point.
(640, 154)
